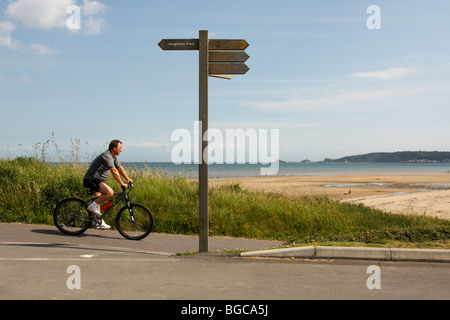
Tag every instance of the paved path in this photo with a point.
(37, 262)
(155, 242)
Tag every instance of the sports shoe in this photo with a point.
(93, 208)
(98, 223)
(103, 225)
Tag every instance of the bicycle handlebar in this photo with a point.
(130, 185)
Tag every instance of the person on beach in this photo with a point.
(95, 177)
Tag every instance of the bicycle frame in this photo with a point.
(115, 200)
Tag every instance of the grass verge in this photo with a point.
(30, 189)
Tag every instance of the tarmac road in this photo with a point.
(38, 262)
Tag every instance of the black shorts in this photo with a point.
(92, 184)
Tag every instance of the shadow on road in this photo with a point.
(59, 233)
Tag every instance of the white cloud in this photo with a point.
(275, 123)
(388, 74)
(93, 7)
(324, 100)
(412, 57)
(42, 49)
(93, 25)
(46, 15)
(6, 40)
(40, 14)
(349, 99)
(7, 27)
(150, 145)
(25, 79)
(49, 14)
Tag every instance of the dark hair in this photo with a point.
(113, 144)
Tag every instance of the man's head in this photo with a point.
(115, 147)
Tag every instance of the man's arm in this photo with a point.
(116, 175)
(124, 174)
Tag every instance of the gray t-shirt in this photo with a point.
(99, 168)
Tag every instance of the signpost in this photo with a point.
(218, 56)
(203, 214)
(227, 56)
(228, 44)
(228, 68)
(179, 44)
(221, 58)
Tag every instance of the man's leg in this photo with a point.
(104, 193)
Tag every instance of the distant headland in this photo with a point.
(400, 156)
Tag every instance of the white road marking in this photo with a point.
(78, 259)
(89, 257)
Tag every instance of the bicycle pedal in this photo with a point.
(97, 222)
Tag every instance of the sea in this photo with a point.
(291, 168)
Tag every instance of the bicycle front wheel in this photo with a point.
(134, 222)
(71, 216)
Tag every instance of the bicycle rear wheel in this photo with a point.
(134, 223)
(71, 216)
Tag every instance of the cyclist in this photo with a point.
(95, 177)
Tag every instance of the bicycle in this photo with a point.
(133, 221)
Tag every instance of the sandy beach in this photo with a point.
(421, 193)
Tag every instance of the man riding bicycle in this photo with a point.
(97, 173)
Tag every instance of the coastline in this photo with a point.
(419, 193)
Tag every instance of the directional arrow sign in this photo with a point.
(227, 68)
(179, 44)
(228, 56)
(228, 44)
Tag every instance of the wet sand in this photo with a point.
(422, 193)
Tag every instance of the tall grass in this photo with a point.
(30, 189)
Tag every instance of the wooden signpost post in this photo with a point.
(221, 58)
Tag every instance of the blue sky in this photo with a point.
(332, 86)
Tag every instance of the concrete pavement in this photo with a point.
(174, 244)
(155, 242)
(73, 272)
(39, 262)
